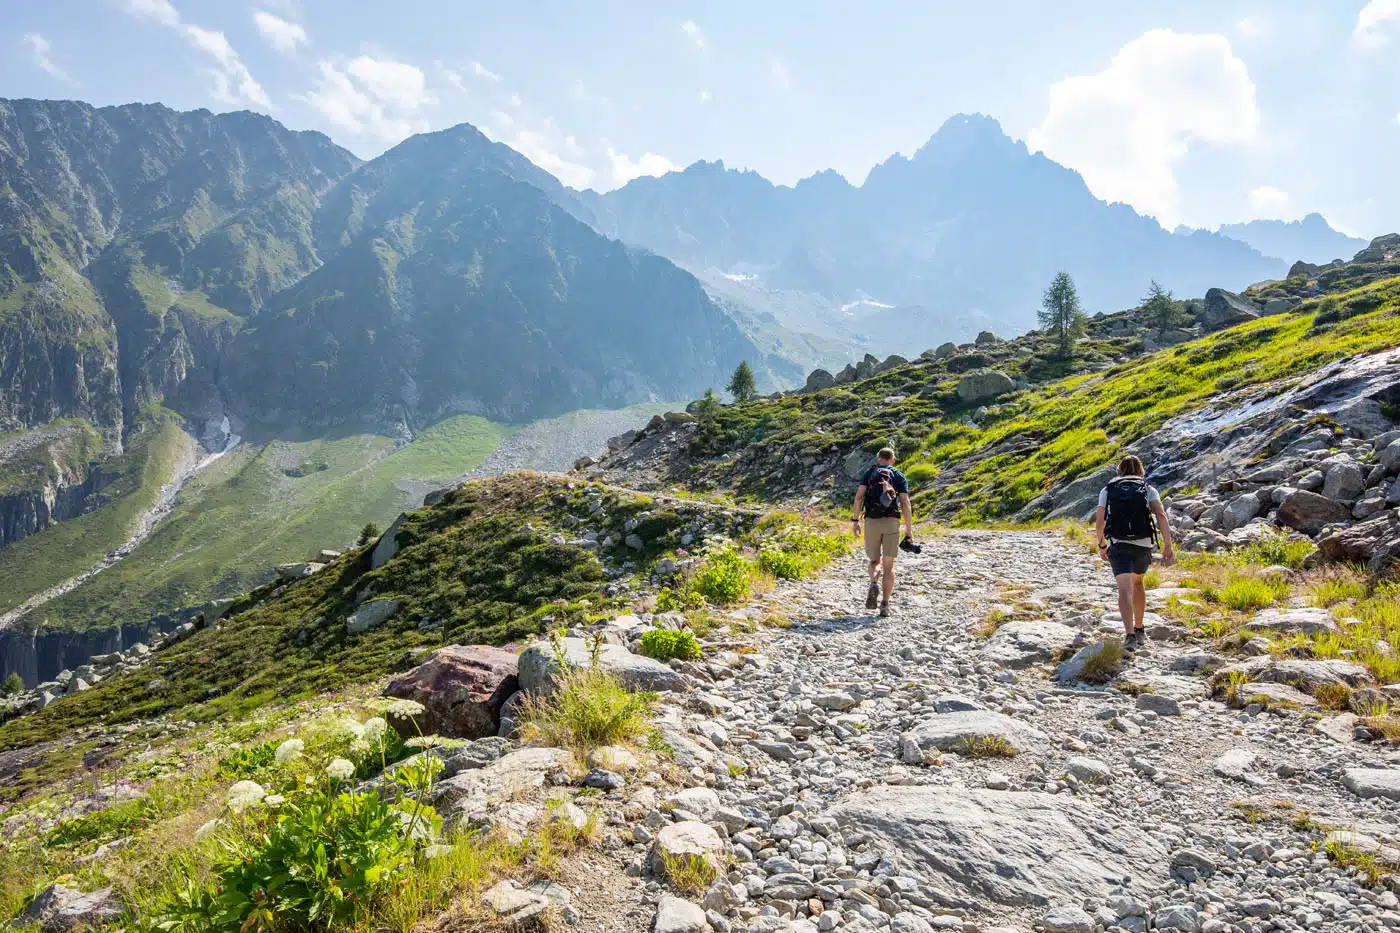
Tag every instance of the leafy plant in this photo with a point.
(680, 598)
(248, 761)
(665, 644)
(722, 578)
(588, 707)
(12, 685)
(1104, 664)
(688, 873)
(1245, 594)
(986, 746)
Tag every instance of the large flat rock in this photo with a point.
(1307, 674)
(1290, 621)
(1373, 782)
(471, 795)
(953, 732)
(538, 668)
(1019, 849)
(1021, 644)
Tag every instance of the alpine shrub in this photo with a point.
(665, 644)
(723, 578)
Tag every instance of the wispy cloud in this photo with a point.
(481, 71)
(624, 169)
(704, 96)
(696, 36)
(375, 97)
(231, 81)
(41, 50)
(1269, 202)
(283, 35)
(1374, 22)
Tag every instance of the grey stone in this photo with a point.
(60, 908)
(1089, 770)
(1290, 621)
(1067, 920)
(1372, 782)
(1309, 512)
(1021, 644)
(820, 379)
(471, 794)
(983, 385)
(371, 615)
(1344, 480)
(677, 915)
(1226, 309)
(1239, 511)
(688, 839)
(956, 732)
(388, 545)
(1011, 848)
(539, 670)
(1158, 703)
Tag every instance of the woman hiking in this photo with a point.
(1129, 518)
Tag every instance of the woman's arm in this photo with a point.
(1164, 528)
(1098, 532)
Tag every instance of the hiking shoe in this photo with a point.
(872, 595)
(885, 609)
(1133, 642)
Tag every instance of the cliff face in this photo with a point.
(48, 476)
(25, 513)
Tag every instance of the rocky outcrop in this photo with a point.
(1226, 309)
(462, 689)
(538, 668)
(984, 385)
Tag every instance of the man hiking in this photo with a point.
(1129, 518)
(882, 497)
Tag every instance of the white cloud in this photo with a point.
(481, 71)
(452, 76)
(1254, 26)
(159, 10)
(1371, 23)
(373, 97)
(1125, 128)
(693, 31)
(704, 96)
(542, 148)
(283, 35)
(1269, 202)
(41, 50)
(231, 81)
(779, 75)
(625, 169)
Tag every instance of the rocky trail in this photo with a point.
(850, 772)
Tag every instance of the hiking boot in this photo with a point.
(885, 609)
(872, 595)
(1134, 641)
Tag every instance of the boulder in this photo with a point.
(1309, 512)
(819, 379)
(688, 839)
(1226, 309)
(462, 689)
(677, 915)
(60, 908)
(1344, 480)
(986, 338)
(961, 731)
(1015, 849)
(538, 668)
(1281, 305)
(371, 615)
(1272, 695)
(983, 385)
(388, 544)
(890, 362)
(1239, 511)
(1306, 674)
(945, 350)
(289, 572)
(679, 417)
(1375, 541)
(1290, 621)
(1372, 782)
(515, 904)
(584, 462)
(472, 794)
(1072, 669)
(1020, 644)
(1389, 457)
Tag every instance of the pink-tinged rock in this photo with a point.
(462, 689)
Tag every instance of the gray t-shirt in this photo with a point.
(1152, 496)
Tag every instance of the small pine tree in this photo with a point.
(12, 685)
(1160, 310)
(741, 384)
(1061, 314)
(706, 406)
(368, 534)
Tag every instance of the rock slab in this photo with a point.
(462, 689)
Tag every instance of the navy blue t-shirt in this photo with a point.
(874, 508)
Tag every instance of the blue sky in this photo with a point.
(1195, 112)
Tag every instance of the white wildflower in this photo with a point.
(204, 831)
(359, 747)
(356, 730)
(424, 741)
(274, 800)
(375, 729)
(245, 794)
(340, 769)
(405, 708)
(436, 850)
(289, 750)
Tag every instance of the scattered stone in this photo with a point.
(462, 689)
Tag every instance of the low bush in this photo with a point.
(1105, 664)
(665, 644)
(587, 708)
(800, 552)
(1246, 594)
(722, 578)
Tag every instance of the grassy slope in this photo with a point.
(260, 506)
(68, 548)
(1059, 429)
(479, 564)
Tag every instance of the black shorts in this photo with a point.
(1129, 558)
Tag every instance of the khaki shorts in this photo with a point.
(881, 538)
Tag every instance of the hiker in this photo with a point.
(1127, 534)
(883, 497)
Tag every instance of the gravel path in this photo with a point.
(1169, 812)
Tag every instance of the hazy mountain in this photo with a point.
(1311, 239)
(967, 231)
(222, 264)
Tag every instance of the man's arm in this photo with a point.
(908, 511)
(856, 508)
(1164, 528)
(1098, 532)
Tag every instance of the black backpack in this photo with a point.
(1128, 516)
(881, 495)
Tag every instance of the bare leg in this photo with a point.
(1125, 601)
(889, 577)
(1139, 599)
(874, 570)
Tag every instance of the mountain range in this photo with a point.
(1311, 239)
